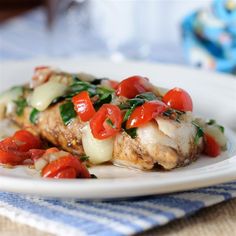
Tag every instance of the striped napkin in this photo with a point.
(113, 218)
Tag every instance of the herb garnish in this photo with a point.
(21, 105)
(110, 123)
(199, 134)
(34, 116)
(84, 158)
(173, 114)
(67, 112)
(105, 96)
(131, 132)
(149, 96)
(80, 86)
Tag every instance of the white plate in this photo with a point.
(214, 96)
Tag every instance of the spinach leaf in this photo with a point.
(132, 104)
(105, 96)
(67, 112)
(84, 158)
(21, 104)
(34, 116)
(149, 96)
(80, 86)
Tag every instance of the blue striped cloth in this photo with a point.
(26, 37)
(113, 218)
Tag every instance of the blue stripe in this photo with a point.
(95, 212)
(226, 195)
(92, 227)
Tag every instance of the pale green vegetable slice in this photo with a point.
(44, 94)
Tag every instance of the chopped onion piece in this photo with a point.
(99, 151)
(44, 94)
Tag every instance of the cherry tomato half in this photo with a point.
(83, 106)
(178, 99)
(106, 122)
(143, 114)
(26, 140)
(68, 173)
(8, 144)
(211, 148)
(114, 84)
(133, 86)
(13, 158)
(54, 168)
(36, 153)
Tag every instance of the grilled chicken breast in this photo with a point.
(163, 141)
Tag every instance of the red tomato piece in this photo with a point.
(178, 99)
(143, 114)
(83, 106)
(211, 148)
(13, 158)
(133, 86)
(55, 167)
(114, 84)
(26, 141)
(52, 150)
(37, 68)
(36, 153)
(106, 122)
(68, 173)
(8, 144)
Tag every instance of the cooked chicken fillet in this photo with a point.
(51, 127)
(165, 142)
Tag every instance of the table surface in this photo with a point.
(216, 220)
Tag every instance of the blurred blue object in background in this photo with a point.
(209, 36)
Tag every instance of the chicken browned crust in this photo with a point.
(51, 128)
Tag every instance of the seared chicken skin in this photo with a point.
(162, 141)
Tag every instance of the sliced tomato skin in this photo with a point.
(26, 141)
(99, 126)
(178, 99)
(8, 144)
(36, 153)
(114, 84)
(68, 173)
(83, 106)
(53, 169)
(144, 113)
(13, 158)
(211, 148)
(16, 149)
(133, 86)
